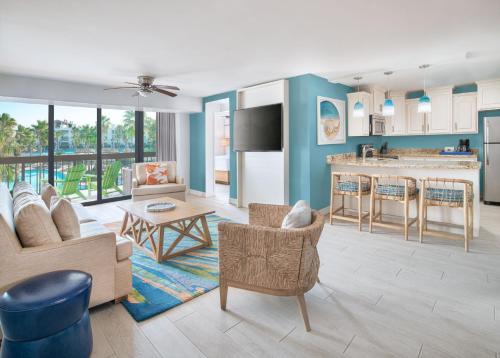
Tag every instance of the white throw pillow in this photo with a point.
(64, 216)
(299, 216)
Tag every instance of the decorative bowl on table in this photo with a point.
(159, 207)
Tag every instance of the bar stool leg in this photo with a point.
(343, 205)
(380, 208)
(471, 220)
(331, 200)
(407, 207)
(372, 209)
(360, 211)
(422, 217)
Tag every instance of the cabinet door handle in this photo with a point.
(427, 127)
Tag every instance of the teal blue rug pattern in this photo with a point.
(158, 287)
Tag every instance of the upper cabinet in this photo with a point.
(377, 98)
(358, 127)
(439, 120)
(415, 122)
(488, 95)
(396, 124)
(465, 113)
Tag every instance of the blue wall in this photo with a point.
(309, 173)
(197, 145)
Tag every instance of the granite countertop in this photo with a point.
(352, 160)
(427, 153)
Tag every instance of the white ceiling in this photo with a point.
(207, 47)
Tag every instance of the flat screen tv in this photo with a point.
(258, 129)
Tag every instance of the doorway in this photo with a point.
(217, 138)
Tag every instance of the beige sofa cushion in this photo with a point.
(33, 222)
(48, 191)
(123, 248)
(65, 218)
(158, 189)
(141, 175)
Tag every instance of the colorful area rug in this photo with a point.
(158, 287)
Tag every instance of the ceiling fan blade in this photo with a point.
(159, 90)
(113, 88)
(168, 87)
(132, 83)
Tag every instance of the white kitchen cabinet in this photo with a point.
(488, 94)
(357, 127)
(439, 120)
(377, 98)
(396, 124)
(415, 122)
(465, 113)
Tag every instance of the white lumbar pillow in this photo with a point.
(65, 218)
(299, 216)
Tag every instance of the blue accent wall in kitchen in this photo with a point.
(309, 173)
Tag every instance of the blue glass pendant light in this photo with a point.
(388, 108)
(359, 109)
(424, 102)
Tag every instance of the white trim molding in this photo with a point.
(197, 193)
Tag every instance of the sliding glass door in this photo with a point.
(83, 151)
(118, 151)
(75, 152)
(24, 133)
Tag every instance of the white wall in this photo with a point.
(182, 145)
(58, 92)
(263, 176)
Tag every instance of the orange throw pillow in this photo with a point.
(156, 174)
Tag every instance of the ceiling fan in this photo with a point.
(145, 87)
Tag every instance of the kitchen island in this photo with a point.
(417, 168)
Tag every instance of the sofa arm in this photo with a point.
(95, 255)
(267, 214)
(260, 256)
(135, 183)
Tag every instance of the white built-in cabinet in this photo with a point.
(358, 127)
(415, 122)
(377, 98)
(396, 124)
(465, 113)
(439, 120)
(488, 94)
(450, 113)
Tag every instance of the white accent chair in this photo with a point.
(141, 191)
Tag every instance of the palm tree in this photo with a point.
(105, 125)
(25, 140)
(128, 126)
(7, 128)
(41, 129)
(7, 145)
(149, 134)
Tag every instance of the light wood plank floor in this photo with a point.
(379, 297)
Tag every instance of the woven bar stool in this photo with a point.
(351, 184)
(401, 189)
(452, 193)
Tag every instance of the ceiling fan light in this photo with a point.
(358, 110)
(388, 109)
(424, 104)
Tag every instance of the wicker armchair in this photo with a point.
(264, 258)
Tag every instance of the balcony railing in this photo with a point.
(34, 169)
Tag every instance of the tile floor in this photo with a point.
(379, 297)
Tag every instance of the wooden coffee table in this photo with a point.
(141, 225)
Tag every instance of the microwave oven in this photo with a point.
(377, 124)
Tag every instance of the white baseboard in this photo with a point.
(233, 201)
(197, 193)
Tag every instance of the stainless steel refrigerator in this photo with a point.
(491, 160)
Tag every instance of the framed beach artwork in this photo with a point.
(331, 121)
